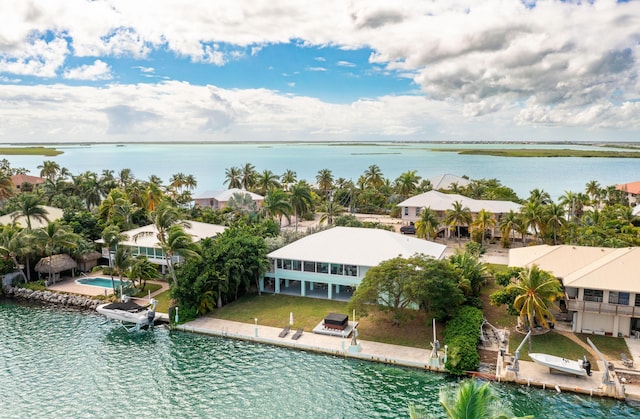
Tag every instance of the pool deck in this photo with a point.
(69, 285)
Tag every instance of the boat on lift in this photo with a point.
(132, 316)
(567, 366)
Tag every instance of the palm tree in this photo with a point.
(125, 176)
(153, 196)
(122, 261)
(289, 177)
(142, 270)
(178, 243)
(49, 169)
(266, 181)
(407, 183)
(568, 200)
(53, 237)
(554, 215)
(276, 204)
(537, 291)
(330, 209)
(6, 188)
(242, 203)
(539, 196)
(30, 207)
(471, 400)
(14, 242)
(484, 220)
(373, 177)
(427, 224)
(112, 236)
(458, 215)
(594, 191)
(508, 224)
(472, 272)
(233, 176)
(325, 181)
(300, 199)
(248, 179)
(531, 213)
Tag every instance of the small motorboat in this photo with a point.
(567, 366)
(132, 316)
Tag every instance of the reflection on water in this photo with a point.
(65, 363)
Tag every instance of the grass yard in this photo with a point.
(610, 347)
(164, 301)
(497, 316)
(550, 343)
(148, 288)
(273, 310)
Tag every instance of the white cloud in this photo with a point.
(316, 69)
(345, 64)
(99, 70)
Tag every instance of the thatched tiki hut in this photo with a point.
(53, 265)
(88, 261)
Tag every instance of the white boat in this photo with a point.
(557, 363)
(132, 316)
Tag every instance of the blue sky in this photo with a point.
(358, 70)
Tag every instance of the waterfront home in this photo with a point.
(26, 183)
(448, 182)
(411, 208)
(220, 199)
(143, 241)
(631, 190)
(330, 264)
(601, 286)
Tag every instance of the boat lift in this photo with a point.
(515, 367)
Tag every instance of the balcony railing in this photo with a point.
(603, 308)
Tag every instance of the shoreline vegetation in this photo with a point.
(50, 150)
(523, 152)
(30, 151)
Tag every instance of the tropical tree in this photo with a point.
(324, 178)
(122, 261)
(30, 207)
(248, 178)
(458, 216)
(14, 243)
(142, 270)
(407, 183)
(53, 237)
(276, 204)
(242, 203)
(594, 192)
(6, 188)
(537, 290)
(266, 181)
(373, 177)
(300, 199)
(233, 177)
(555, 219)
(508, 224)
(49, 169)
(472, 272)
(472, 399)
(484, 220)
(428, 223)
(532, 215)
(330, 210)
(539, 196)
(289, 177)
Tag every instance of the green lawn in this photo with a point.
(273, 310)
(550, 343)
(147, 288)
(164, 301)
(610, 347)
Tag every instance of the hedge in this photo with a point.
(461, 334)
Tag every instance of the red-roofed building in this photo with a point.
(21, 179)
(632, 190)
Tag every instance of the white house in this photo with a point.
(446, 181)
(220, 199)
(601, 284)
(143, 241)
(330, 264)
(439, 202)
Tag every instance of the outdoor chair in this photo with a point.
(284, 332)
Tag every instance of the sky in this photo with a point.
(329, 70)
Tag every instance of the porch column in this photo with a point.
(579, 322)
(261, 284)
(330, 291)
(303, 288)
(277, 285)
(337, 288)
(311, 285)
(286, 283)
(616, 325)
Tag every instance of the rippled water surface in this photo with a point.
(65, 363)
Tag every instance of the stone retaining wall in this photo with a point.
(51, 297)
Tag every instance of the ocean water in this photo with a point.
(63, 363)
(207, 162)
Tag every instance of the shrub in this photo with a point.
(461, 335)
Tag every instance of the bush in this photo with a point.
(461, 334)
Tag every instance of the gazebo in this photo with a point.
(53, 265)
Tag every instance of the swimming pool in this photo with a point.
(97, 281)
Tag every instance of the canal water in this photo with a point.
(57, 362)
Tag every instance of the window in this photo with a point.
(417, 211)
(309, 266)
(336, 269)
(286, 264)
(350, 270)
(406, 210)
(637, 304)
(322, 267)
(279, 263)
(296, 265)
(593, 295)
(621, 298)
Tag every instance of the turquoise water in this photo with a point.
(207, 162)
(56, 362)
(97, 281)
